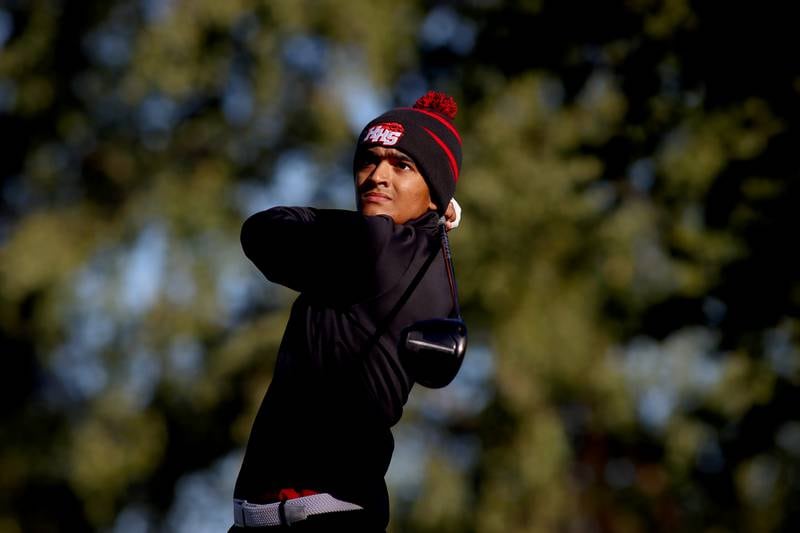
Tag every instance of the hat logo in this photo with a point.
(387, 133)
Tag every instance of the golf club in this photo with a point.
(433, 350)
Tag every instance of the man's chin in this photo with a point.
(371, 210)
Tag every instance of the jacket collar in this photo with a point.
(429, 222)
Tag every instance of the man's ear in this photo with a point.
(432, 206)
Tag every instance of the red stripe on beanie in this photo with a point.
(438, 117)
(450, 157)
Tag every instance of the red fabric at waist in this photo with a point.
(288, 494)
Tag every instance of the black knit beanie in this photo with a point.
(425, 133)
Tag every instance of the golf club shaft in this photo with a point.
(451, 275)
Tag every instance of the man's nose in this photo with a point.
(382, 172)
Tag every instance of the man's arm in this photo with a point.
(322, 251)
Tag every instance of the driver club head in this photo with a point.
(432, 350)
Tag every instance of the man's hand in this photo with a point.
(452, 216)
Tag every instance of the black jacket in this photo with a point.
(325, 421)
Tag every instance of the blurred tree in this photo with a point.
(630, 199)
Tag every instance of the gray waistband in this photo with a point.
(246, 514)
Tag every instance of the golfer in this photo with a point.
(321, 442)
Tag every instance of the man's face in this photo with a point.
(388, 183)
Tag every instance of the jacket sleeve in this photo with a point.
(325, 252)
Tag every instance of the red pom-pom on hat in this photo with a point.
(439, 103)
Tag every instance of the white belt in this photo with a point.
(246, 514)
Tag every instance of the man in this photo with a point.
(321, 443)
